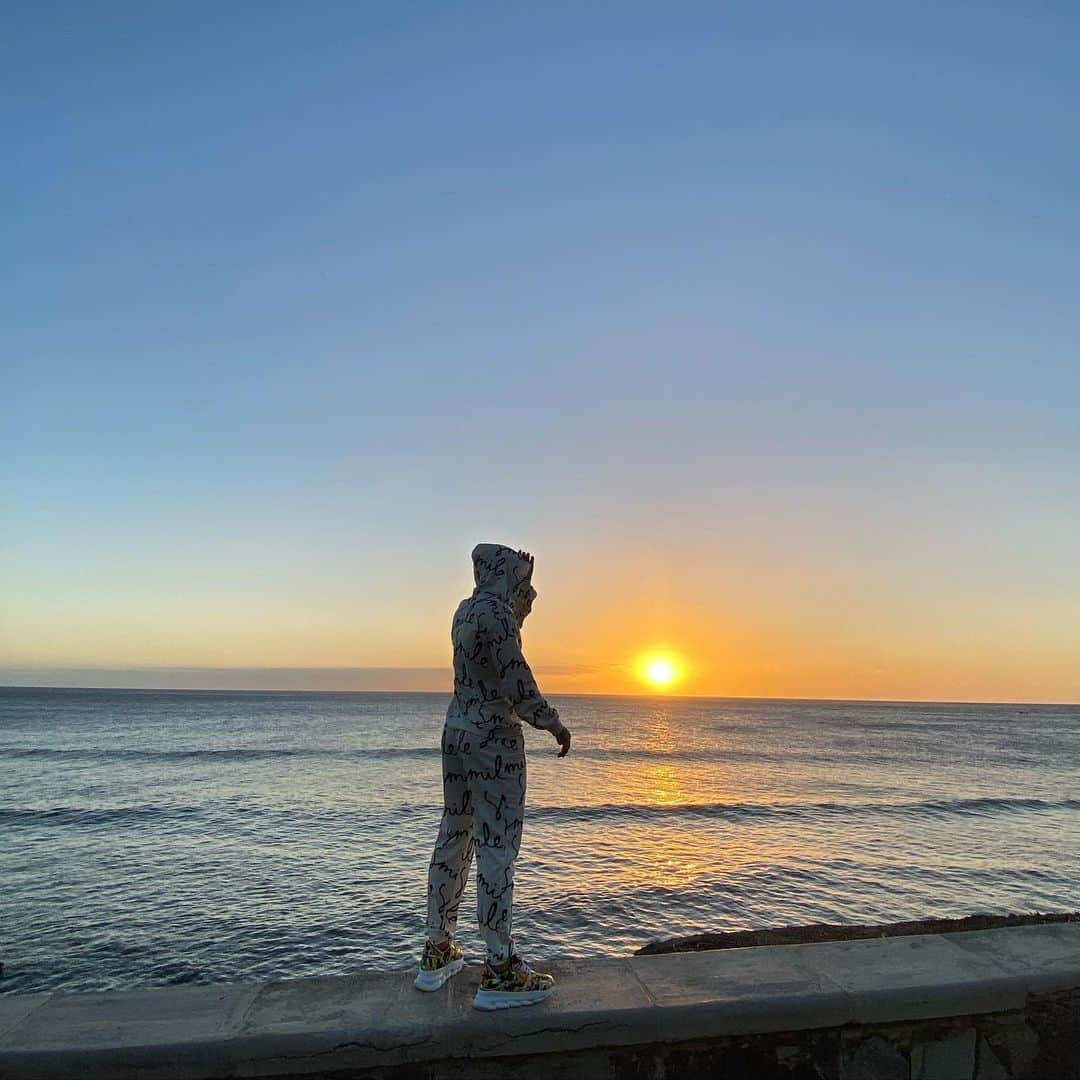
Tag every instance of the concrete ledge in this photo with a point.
(364, 1022)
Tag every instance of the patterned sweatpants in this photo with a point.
(483, 809)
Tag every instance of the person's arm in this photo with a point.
(518, 686)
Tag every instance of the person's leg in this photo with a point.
(451, 860)
(448, 871)
(496, 777)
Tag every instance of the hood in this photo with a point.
(501, 571)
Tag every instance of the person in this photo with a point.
(483, 764)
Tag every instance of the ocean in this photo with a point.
(155, 837)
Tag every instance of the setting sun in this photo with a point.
(659, 670)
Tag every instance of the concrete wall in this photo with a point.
(986, 1005)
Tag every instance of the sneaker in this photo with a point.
(438, 964)
(513, 984)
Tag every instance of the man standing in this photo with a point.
(483, 761)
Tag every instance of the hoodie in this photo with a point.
(493, 685)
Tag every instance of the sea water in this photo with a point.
(154, 837)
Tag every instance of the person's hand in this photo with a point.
(564, 742)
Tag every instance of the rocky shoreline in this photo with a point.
(804, 935)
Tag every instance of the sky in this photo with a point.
(756, 322)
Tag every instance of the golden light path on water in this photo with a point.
(648, 843)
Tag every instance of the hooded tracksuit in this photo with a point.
(483, 750)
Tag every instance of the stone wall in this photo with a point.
(989, 1005)
(1041, 1043)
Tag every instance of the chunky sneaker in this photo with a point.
(515, 983)
(438, 964)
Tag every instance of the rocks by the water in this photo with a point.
(804, 935)
(952, 1058)
(876, 1058)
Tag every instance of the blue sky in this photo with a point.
(759, 318)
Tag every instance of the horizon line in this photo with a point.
(558, 694)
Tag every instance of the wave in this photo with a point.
(228, 754)
(392, 815)
(252, 754)
(764, 811)
(95, 815)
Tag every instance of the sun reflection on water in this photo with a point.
(665, 788)
(678, 816)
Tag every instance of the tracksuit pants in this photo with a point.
(483, 810)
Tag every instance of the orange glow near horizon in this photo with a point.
(791, 628)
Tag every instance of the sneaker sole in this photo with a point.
(489, 1000)
(432, 980)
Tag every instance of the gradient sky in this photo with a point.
(756, 322)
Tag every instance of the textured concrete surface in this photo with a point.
(914, 978)
(741, 991)
(15, 1010)
(888, 1007)
(1041, 959)
(136, 1017)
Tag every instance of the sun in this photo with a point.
(659, 670)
